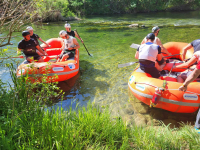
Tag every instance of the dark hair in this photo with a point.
(150, 36)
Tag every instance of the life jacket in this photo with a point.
(69, 42)
(148, 51)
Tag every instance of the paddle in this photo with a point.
(171, 69)
(127, 64)
(21, 56)
(131, 63)
(83, 44)
(133, 45)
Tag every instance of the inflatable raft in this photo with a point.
(163, 93)
(50, 70)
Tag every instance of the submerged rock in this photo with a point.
(134, 25)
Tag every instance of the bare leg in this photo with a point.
(64, 57)
(41, 60)
(181, 78)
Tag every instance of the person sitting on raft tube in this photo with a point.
(185, 74)
(147, 54)
(35, 36)
(71, 32)
(30, 48)
(155, 31)
(69, 46)
(195, 44)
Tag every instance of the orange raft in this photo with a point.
(50, 71)
(143, 86)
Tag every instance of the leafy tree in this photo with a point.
(16, 13)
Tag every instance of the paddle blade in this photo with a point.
(134, 46)
(126, 64)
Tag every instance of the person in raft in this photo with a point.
(191, 77)
(195, 44)
(69, 46)
(35, 36)
(155, 31)
(147, 54)
(30, 48)
(71, 32)
(185, 74)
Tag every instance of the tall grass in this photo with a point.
(26, 123)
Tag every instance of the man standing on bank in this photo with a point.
(30, 48)
(71, 32)
(195, 73)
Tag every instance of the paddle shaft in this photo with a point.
(21, 56)
(83, 44)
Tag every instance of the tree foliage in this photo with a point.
(90, 7)
(16, 13)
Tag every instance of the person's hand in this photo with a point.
(182, 88)
(49, 45)
(81, 40)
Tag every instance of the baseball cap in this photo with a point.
(67, 25)
(29, 28)
(150, 36)
(25, 33)
(154, 29)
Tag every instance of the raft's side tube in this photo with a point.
(177, 48)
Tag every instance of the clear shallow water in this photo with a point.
(108, 39)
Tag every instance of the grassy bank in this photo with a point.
(27, 123)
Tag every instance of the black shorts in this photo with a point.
(70, 53)
(153, 71)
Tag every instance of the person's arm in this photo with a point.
(40, 50)
(137, 53)
(76, 45)
(76, 35)
(189, 79)
(159, 56)
(44, 42)
(163, 49)
(187, 64)
(185, 50)
(143, 41)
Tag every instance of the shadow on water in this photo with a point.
(83, 87)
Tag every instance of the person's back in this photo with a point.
(147, 54)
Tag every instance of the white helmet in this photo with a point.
(29, 28)
(67, 25)
(62, 33)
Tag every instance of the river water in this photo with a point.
(108, 39)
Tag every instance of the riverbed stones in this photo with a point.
(146, 116)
